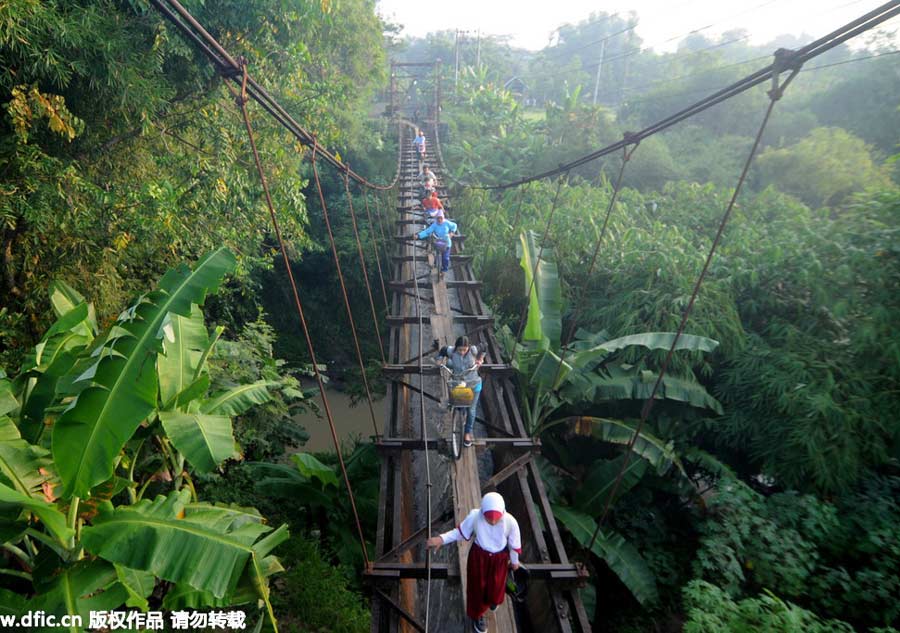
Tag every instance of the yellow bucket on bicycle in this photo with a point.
(461, 396)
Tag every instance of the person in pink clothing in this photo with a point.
(497, 546)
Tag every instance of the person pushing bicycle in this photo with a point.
(464, 360)
(442, 230)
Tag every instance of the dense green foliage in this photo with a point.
(121, 143)
(127, 413)
(763, 494)
(778, 495)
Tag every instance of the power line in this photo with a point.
(732, 65)
(784, 60)
(804, 70)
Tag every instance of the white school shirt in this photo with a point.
(490, 538)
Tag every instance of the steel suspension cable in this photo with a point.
(230, 67)
(537, 262)
(384, 239)
(783, 59)
(774, 95)
(337, 264)
(241, 101)
(375, 248)
(365, 271)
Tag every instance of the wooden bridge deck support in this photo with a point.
(450, 308)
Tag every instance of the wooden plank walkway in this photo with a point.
(501, 459)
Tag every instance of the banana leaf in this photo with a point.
(13, 501)
(20, 464)
(650, 340)
(593, 494)
(312, 468)
(119, 390)
(185, 339)
(238, 399)
(205, 440)
(208, 549)
(621, 557)
(64, 299)
(137, 584)
(545, 299)
(661, 455)
(621, 382)
(77, 590)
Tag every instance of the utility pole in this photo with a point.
(599, 68)
(478, 51)
(393, 89)
(456, 72)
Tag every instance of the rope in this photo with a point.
(241, 100)
(377, 256)
(337, 263)
(774, 95)
(537, 261)
(365, 271)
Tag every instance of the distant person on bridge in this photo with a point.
(429, 182)
(419, 142)
(432, 205)
(497, 546)
(442, 230)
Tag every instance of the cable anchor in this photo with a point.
(785, 59)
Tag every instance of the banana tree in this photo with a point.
(72, 424)
(590, 371)
(574, 388)
(315, 486)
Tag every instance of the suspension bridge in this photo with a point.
(426, 308)
(422, 492)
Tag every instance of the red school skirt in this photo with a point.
(485, 580)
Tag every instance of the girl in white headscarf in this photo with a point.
(497, 546)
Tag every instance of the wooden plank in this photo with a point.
(572, 573)
(400, 611)
(505, 443)
(407, 258)
(506, 472)
(394, 369)
(408, 283)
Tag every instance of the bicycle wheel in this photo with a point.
(456, 432)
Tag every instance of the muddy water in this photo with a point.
(349, 421)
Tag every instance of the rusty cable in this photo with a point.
(365, 271)
(340, 272)
(581, 296)
(774, 95)
(375, 249)
(241, 100)
(537, 261)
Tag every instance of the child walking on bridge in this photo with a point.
(497, 546)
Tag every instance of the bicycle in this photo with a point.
(460, 397)
(438, 248)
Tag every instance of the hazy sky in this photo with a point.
(661, 24)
